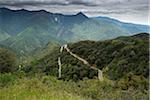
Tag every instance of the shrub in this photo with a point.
(76, 73)
(7, 79)
(7, 61)
(133, 81)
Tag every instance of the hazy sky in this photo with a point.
(135, 11)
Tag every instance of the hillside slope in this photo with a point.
(117, 58)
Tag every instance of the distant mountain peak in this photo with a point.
(81, 14)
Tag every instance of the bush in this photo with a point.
(133, 81)
(7, 79)
(7, 61)
(76, 73)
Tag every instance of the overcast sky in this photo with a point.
(135, 11)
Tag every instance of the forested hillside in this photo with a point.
(123, 61)
(117, 58)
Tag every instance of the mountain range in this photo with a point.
(25, 31)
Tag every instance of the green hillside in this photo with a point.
(117, 58)
(29, 40)
(3, 35)
(123, 61)
(94, 29)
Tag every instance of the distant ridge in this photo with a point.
(7, 9)
(144, 36)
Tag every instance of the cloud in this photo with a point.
(73, 2)
(126, 10)
(47, 2)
